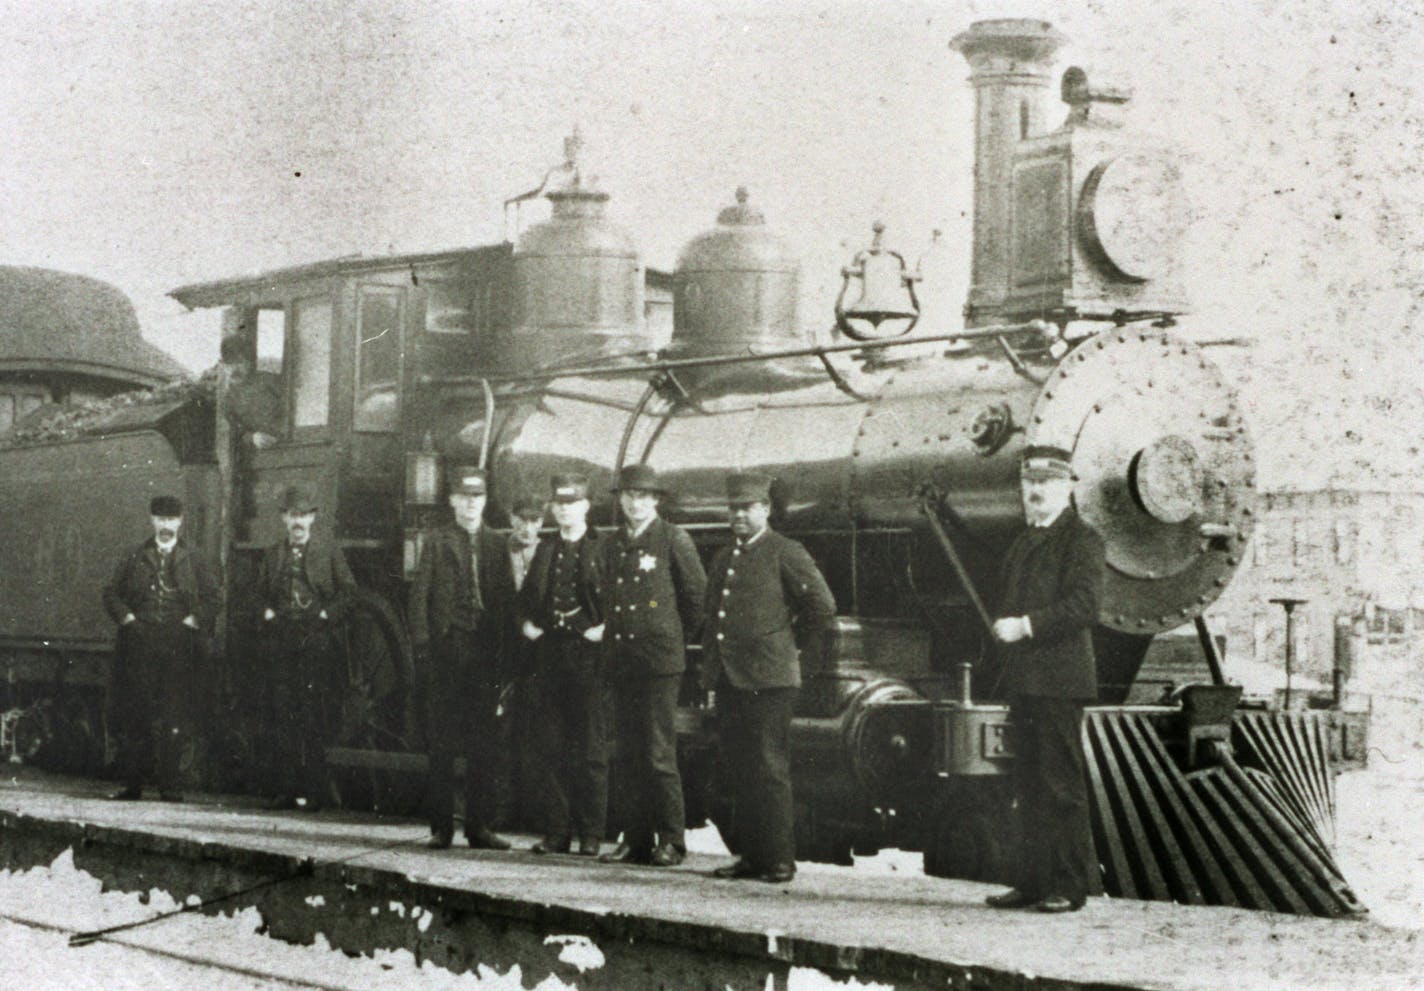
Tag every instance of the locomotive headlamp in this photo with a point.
(887, 292)
(422, 476)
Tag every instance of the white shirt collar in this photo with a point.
(635, 534)
(573, 536)
(1049, 522)
(754, 537)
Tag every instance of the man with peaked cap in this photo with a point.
(304, 589)
(765, 599)
(161, 597)
(1052, 582)
(254, 402)
(654, 585)
(516, 745)
(458, 604)
(561, 614)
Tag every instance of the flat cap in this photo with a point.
(568, 487)
(748, 487)
(638, 478)
(468, 481)
(1043, 461)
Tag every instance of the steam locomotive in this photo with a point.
(894, 447)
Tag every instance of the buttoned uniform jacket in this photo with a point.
(653, 590)
(1054, 575)
(326, 572)
(762, 599)
(442, 583)
(137, 574)
(532, 602)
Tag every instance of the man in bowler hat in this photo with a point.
(304, 590)
(654, 585)
(161, 598)
(459, 602)
(1052, 581)
(765, 599)
(561, 615)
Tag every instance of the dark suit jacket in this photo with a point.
(138, 572)
(327, 573)
(761, 600)
(442, 582)
(532, 603)
(653, 591)
(1054, 575)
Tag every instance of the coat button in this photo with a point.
(631, 637)
(721, 636)
(730, 572)
(617, 608)
(726, 591)
(620, 581)
(631, 608)
(722, 614)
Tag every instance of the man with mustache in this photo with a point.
(1052, 581)
(161, 598)
(304, 589)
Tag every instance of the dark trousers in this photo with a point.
(152, 701)
(646, 800)
(1052, 794)
(755, 731)
(464, 694)
(571, 711)
(300, 652)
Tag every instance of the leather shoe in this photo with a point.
(666, 855)
(129, 794)
(1013, 898)
(736, 870)
(1055, 904)
(778, 874)
(438, 841)
(483, 839)
(171, 796)
(588, 847)
(625, 854)
(548, 845)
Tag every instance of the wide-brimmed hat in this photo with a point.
(468, 481)
(744, 487)
(639, 478)
(298, 499)
(1042, 461)
(568, 487)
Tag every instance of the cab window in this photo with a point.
(378, 360)
(310, 361)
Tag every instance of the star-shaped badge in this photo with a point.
(647, 562)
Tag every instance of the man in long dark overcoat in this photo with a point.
(766, 603)
(561, 613)
(1052, 583)
(161, 598)
(654, 585)
(304, 590)
(459, 605)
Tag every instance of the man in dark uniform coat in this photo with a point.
(304, 589)
(459, 601)
(1052, 583)
(161, 598)
(765, 597)
(654, 586)
(561, 615)
(515, 803)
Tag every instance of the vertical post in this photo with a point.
(1289, 604)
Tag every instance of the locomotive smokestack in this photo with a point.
(1009, 62)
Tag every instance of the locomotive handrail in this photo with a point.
(711, 361)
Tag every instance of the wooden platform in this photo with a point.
(360, 879)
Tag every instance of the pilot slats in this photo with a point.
(1291, 747)
(1223, 835)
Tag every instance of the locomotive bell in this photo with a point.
(737, 287)
(887, 291)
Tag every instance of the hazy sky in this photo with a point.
(154, 144)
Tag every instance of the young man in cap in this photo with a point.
(458, 603)
(765, 596)
(161, 598)
(1052, 580)
(561, 615)
(253, 402)
(304, 589)
(517, 739)
(654, 586)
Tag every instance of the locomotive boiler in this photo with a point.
(894, 442)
